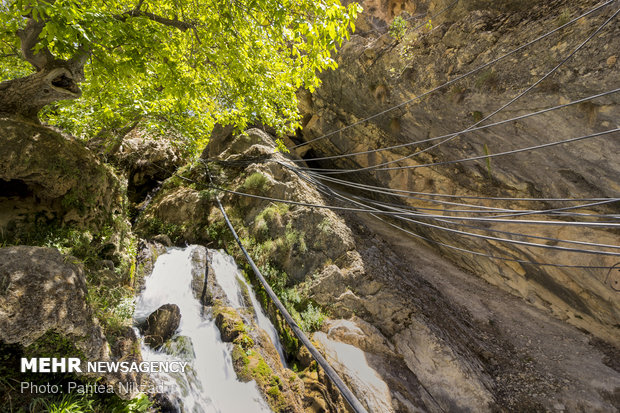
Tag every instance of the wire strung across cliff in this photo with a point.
(461, 132)
(377, 213)
(334, 193)
(450, 82)
(490, 210)
(512, 212)
(485, 229)
(605, 224)
(477, 209)
(503, 107)
(560, 211)
(470, 234)
(455, 161)
(400, 214)
(403, 193)
(483, 209)
(330, 192)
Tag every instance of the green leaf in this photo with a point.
(241, 62)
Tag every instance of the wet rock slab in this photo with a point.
(161, 325)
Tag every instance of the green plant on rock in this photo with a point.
(277, 279)
(270, 217)
(155, 226)
(294, 239)
(218, 233)
(113, 304)
(398, 28)
(325, 226)
(52, 344)
(256, 182)
(476, 116)
(312, 318)
(67, 403)
(208, 194)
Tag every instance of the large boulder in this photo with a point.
(43, 294)
(147, 158)
(43, 290)
(46, 178)
(161, 325)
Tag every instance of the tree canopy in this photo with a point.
(184, 65)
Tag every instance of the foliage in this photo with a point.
(113, 304)
(398, 28)
(256, 182)
(293, 239)
(208, 194)
(182, 66)
(312, 318)
(69, 240)
(296, 299)
(139, 404)
(156, 226)
(325, 226)
(109, 292)
(476, 115)
(54, 344)
(67, 403)
(87, 403)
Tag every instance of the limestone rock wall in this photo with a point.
(377, 72)
(431, 338)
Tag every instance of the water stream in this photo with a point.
(229, 277)
(211, 385)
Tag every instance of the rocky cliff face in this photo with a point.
(48, 178)
(406, 330)
(66, 262)
(377, 72)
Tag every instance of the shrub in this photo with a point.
(256, 182)
(398, 28)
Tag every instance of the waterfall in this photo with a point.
(229, 276)
(211, 384)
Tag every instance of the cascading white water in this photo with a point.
(229, 276)
(211, 385)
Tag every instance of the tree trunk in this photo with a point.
(54, 80)
(26, 96)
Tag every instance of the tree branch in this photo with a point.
(77, 62)
(29, 37)
(176, 23)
